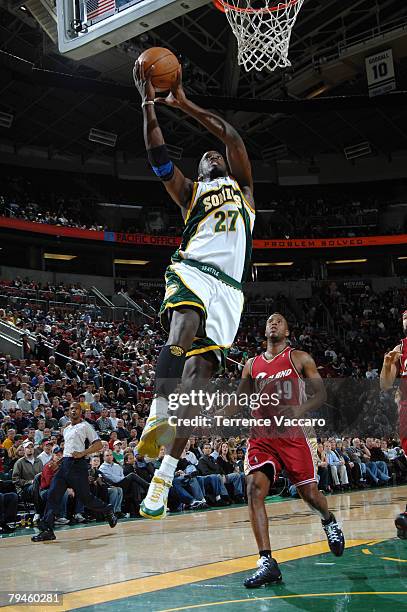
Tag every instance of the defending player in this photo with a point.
(203, 299)
(395, 365)
(282, 370)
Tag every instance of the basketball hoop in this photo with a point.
(263, 32)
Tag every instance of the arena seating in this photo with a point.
(117, 360)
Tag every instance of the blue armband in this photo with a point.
(160, 162)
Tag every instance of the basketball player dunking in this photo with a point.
(395, 365)
(203, 299)
(282, 370)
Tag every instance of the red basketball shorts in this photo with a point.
(297, 455)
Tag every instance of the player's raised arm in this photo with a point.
(390, 368)
(236, 153)
(178, 186)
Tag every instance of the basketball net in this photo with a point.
(263, 34)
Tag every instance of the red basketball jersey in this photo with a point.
(278, 376)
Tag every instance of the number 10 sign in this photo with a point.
(380, 73)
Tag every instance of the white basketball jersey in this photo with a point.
(218, 227)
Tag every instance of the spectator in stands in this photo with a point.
(9, 441)
(50, 421)
(337, 467)
(64, 420)
(379, 459)
(109, 494)
(46, 454)
(8, 402)
(118, 453)
(323, 470)
(208, 466)
(103, 423)
(232, 474)
(20, 421)
(134, 488)
(24, 472)
(25, 403)
(8, 511)
(40, 431)
(122, 432)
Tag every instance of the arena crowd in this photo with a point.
(109, 368)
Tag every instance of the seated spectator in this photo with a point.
(39, 433)
(8, 402)
(337, 467)
(231, 473)
(134, 488)
(323, 470)
(13, 455)
(113, 418)
(104, 424)
(25, 403)
(20, 421)
(143, 468)
(9, 441)
(112, 494)
(50, 421)
(97, 405)
(208, 466)
(64, 420)
(118, 453)
(24, 472)
(379, 458)
(8, 511)
(46, 454)
(240, 455)
(355, 465)
(122, 432)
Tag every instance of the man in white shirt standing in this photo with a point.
(73, 473)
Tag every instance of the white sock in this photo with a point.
(159, 407)
(168, 467)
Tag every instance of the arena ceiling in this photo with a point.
(58, 117)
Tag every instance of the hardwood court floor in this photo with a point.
(197, 561)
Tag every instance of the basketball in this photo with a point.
(165, 68)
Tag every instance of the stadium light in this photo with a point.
(6, 119)
(59, 256)
(101, 137)
(131, 262)
(274, 263)
(346, 261)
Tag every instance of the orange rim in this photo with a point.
(221, 5)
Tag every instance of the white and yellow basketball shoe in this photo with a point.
(157, 431)
(154, 506)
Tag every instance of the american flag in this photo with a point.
(99, 8)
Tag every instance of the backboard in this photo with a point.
(87, 27)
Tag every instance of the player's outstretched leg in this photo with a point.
(268, 572)
(170, 365)
(401, 525)
(198, 370)
(317, 502)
